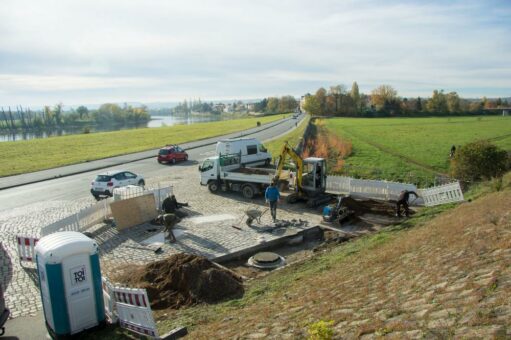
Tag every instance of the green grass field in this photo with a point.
(413, 149)
(38, 154)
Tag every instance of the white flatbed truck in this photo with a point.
(224, 172)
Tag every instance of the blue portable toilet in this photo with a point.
(70, 282)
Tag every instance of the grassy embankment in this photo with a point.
(413, 149)
(293, 138)
(38, 154)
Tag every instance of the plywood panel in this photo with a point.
(133, 211)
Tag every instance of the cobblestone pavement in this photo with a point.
(207, 231)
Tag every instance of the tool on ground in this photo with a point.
(158, 250)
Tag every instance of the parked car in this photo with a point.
(172, 154)
(106, 182)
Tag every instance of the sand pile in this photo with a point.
(183, 280)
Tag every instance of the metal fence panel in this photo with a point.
(69, 223)
(442, 194)
(137, 319)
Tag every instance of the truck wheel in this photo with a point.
(173, 161)
(213, 186)
(248, 191)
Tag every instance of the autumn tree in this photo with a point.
(321, 97)
(438, 102)
(381, 95)
(453, 102)
(355, 96)
(312, 105)
(272, 105)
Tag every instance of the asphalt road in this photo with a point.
(73, 182)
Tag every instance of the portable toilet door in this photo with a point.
(70, 282)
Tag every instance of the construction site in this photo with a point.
(225, 237)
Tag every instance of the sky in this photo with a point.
(98, 51)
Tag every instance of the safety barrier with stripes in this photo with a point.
(26, 248)
(129, 306)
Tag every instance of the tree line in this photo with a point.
(56, 117)
(270, 105)
(384, 101)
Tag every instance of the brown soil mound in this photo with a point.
(183, 280)
(361, 207)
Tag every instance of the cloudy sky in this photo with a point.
(96, 51)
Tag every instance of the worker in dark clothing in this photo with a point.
(171, 206)
(453, 152)
(404, 196)
(169, 221)
(272, 196)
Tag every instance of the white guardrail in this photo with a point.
(389, 191)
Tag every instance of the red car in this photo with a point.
(172, 154)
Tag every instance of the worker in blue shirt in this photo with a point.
(272, 196)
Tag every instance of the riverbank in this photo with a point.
(34, 155)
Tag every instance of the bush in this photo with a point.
(479, 160)
(321, 330)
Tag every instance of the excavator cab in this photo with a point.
(314, 176)
(310, 177)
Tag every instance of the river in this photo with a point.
(156, 121)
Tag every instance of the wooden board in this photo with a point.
(133, 211)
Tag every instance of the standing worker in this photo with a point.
(453, 152)
(272, 196)
(403, 201)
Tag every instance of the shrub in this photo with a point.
(321, 330)
(479, 160)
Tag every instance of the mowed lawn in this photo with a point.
(413, 149)
(38, 154)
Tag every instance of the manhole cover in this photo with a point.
(266, 260)
(266, 257)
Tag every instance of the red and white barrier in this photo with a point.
(131, 296)
(131, 307)
(26, 245)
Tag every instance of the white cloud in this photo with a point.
(152, 50)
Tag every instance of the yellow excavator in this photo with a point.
(310, 177)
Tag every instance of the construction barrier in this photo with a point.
(69, 223)
(363, 188)
(26, 245)
(134, 311)
(137, 319)
(100, 211)
(447, 193)
(109, 300)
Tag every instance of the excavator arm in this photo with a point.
(287, 150)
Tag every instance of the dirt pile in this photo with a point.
(361, 207)
(183, 280)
